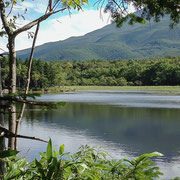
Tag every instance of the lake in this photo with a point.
(126, 124)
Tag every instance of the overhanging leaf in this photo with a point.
(8, 153)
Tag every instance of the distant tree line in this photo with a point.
(159, 71)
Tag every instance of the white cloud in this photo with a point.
(62, 28)
(28, 4)
(131, 8)
(65, 27)
(76, 25)
(23, 42)
(56, 29)
(35, 7)
(40, 7)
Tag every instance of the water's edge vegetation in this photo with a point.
(150, 89)
(88, 163)
(144, 72)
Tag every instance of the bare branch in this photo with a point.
(25, 101)
(2, 50)
(27, 84)
(35, 22)
(56, 4)
(6, 133)
(11, 8)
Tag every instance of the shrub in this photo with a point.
(121, 81)
(87, 164)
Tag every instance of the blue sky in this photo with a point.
(60, 26)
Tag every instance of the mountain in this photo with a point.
(109, 42)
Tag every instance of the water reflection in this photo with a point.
(122, 131)
(118, 98)
(149, 128)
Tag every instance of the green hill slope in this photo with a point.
(138, 41)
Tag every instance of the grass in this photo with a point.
(155, 89)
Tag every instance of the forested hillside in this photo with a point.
(137, 41)
(161, 71)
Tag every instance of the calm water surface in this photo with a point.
(126, 124)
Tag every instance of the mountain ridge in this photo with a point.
(110, 42)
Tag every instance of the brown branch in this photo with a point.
(2, 50)
(6, 133)
(25, 101)
(114, 1)
(50, 5)
(56, 4)
(35, 22)
(11, 8)
(118, 6)
(27, 84)
(31, 58)
(4, 18)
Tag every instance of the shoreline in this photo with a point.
(174, 90)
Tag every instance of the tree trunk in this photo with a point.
(12, 64)
(12, 123)
(0, 80)
(12, 88)
(2, 146)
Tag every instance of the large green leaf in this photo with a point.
(140, 158)
(49, 151)
(61, 149)
(40, 169)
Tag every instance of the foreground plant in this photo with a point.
(87, 164)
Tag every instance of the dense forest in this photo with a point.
(159, 71)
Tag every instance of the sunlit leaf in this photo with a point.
(61, 149)
(49, 151)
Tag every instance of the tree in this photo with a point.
(146, 10)
(2, 145)
(11, 30)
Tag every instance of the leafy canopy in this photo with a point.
(146, 10)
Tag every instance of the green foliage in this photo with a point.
(7, 153)
(88, 163)
(23, 96)
(151, 9)
(76, 4)
(121, 81)
(176, 178)
(51, 105)
(160, 71)
(16, 168)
